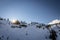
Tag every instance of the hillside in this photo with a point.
(31, 32)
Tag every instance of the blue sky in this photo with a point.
(30, 10)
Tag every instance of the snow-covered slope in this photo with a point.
(25, 33)
(57, 29)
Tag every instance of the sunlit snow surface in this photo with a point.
(28, 33)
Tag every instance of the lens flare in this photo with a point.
(13, 21)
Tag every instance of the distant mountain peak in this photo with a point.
(54, 21)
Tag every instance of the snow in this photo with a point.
(54, 21)
(57, 29)
(28, 33)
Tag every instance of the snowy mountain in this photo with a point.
(54, 21)
(25, 33)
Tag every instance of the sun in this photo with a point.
(13, 21)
